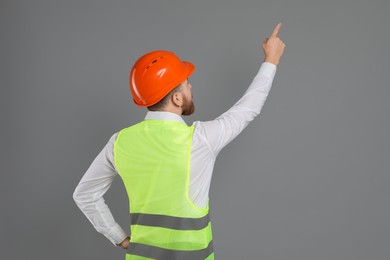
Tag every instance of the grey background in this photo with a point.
(307, 179)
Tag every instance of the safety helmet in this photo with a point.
(155, 74)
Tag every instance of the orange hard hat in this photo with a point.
(155, 74)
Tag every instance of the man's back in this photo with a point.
(153, 159)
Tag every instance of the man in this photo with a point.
(166, 165)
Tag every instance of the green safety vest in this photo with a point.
(153, 160)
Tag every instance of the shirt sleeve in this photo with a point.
(88, 194)
(222, 130)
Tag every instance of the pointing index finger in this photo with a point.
(276, 30)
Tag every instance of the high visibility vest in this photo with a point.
(153, 160)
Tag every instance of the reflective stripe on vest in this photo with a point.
(167, 254)
(169, 221)
(153, 160)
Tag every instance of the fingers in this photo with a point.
(276, 30)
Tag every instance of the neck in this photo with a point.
(173, 109)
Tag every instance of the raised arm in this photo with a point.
(222, 130)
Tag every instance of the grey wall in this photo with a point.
(307, 179)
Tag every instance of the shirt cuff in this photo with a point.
(267, 69)
(116, 234)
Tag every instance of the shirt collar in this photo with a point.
(164, 115)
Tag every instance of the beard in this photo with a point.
(188, 107)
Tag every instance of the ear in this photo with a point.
(177, 99)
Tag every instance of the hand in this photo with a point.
(273, 46)
(125, 243)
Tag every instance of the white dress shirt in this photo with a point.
(208, 140)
